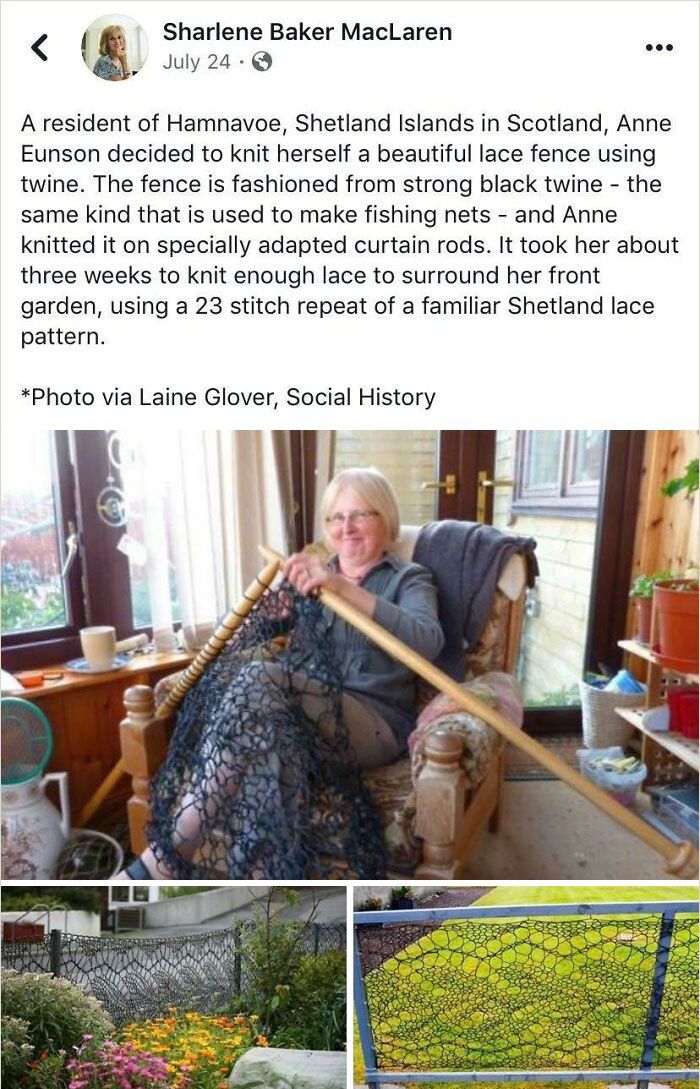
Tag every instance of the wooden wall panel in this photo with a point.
(667, 529)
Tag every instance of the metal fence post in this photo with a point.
(663, 951)
(237, 930)
(55, 937)
(361, 1009)
(317, 937)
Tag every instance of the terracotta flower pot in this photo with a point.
(677, 624)
(642, 608)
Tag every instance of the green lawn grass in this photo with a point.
(535, 993)
(594, 894)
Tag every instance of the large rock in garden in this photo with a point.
(281, 1068)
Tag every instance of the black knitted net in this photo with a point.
(142, 977)
(260, 780)
(529, 994)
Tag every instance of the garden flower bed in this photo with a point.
(199, 1049)
(57, 1036)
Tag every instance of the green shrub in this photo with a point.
(299, 999)
(16, 1050)
(46, 1072)
(270, 950)
(313, 1013)
(168, 892)
(58, 1013)
(53, 896)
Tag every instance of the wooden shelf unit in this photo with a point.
(667, 755)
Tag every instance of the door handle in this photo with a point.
(72, 542)
(483, 486)
(448, 485)
(499, 483)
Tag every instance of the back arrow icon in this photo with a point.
(35, 48)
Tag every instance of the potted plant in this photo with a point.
(372, 903)
(642, 595)
(676, 606)
(402, 898)
(676, 599)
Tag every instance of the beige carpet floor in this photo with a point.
(548, 832)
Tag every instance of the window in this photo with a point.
(42, 598)
(558, 472)
(61, 569)
(32, 589)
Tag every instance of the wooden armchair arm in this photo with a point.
(144, 745)
(449, 815)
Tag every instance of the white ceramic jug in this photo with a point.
(33, 831)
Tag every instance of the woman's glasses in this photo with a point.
(351, 516)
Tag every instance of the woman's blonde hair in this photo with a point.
(102, 47)
(374, 489)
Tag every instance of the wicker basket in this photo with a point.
(601, 726)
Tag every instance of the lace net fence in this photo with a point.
(585, 993)
(138, 978)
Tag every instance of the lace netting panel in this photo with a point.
(260, 777)
(529, 994)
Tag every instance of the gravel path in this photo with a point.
(450, 898)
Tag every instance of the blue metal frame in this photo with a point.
(362, 1010)
(531, 911)
(667, 910)
(524, 1075)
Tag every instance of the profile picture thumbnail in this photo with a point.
(115, 48)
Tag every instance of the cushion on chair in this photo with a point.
(489, 654)
(393, 786)
(480, 741)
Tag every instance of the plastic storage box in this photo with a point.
(623, 787)
(677, 808)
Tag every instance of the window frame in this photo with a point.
(98, 589)
(31, 647)
(563, 498)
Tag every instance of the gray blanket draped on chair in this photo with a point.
(466, 560)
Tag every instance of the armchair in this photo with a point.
(430, 820)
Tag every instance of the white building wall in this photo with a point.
(186, 910)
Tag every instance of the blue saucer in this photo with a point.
(80, 665)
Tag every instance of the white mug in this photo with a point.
(99, 646)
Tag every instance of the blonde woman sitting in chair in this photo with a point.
(361, 520)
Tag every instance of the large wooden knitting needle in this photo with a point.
(216, 643)
(677, 856)
(211, 649)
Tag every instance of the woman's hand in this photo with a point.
(308, 573)
(122, 58)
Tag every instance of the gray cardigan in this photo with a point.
(407, 607)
